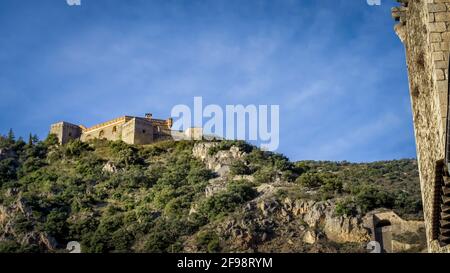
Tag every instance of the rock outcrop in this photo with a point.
(219, 162)
(8, 224)
(109, 167)
(341, 229)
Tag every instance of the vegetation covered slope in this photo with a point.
(114, 197)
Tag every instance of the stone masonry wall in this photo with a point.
(111, 131)
(424, 28)
(65, 131)
(143, 131)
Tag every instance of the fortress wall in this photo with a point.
(132, 130)
(143, 131)
(137, 131)
(128, 131)
(161, 129)
(57, 129)
(65, 131)
(424, 28)
(109, 122)
(110, 131)
(163, 123)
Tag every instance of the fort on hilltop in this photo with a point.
(129, 129)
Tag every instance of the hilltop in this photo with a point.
(187, 196)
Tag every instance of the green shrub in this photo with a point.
(10, 246)
(179, 206)
(266, 166)
(76, 148)
(89, 167)
(55, 224)
(370, 197)
(227, 144)
(125, 154)
(164, 235)
(8, 170)
(346, 207)
(240, 168)
(266, 174)
(365, 199)
(225, 202)
(404, 203)
(310, 180)
(208, 240)
(51, 140)
(198, 173)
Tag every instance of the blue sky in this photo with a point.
(335, 67)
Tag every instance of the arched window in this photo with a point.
(101, 134)
(114, 129)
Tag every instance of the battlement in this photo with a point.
(108, 123)
(64, 123)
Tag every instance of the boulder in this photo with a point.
(345, 229)
(109, 167)
(268, 207)
(309, 237)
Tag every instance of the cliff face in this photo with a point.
(424, 28)
(271, 222)
(270, 225)
(312, 214)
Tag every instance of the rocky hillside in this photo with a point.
(224, 196)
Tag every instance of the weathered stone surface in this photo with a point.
(402, 247)
(215, 186)
(268, 207)
(309, 237)
(423, 28)
(219, 162)
(109, 167)
(341, 229)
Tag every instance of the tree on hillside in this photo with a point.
(11, 136)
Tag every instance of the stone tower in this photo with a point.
(66, 131)
(424, 28)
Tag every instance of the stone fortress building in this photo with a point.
(424, 28)
(129, 129)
